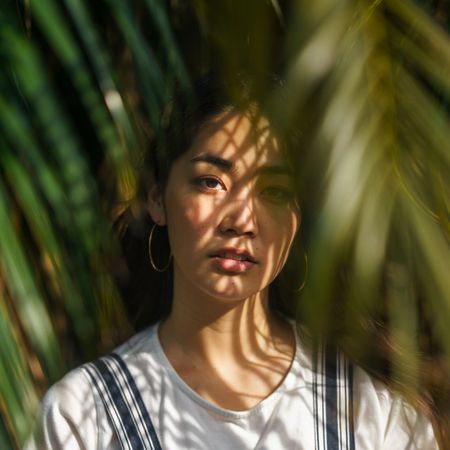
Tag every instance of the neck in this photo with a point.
(233, 353)
(222, 332)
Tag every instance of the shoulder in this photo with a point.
(383, 415)
(71, 414)
(382, 418)
(68, 416)
(138, 344)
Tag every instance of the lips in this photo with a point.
(235, 254)
(233, 260)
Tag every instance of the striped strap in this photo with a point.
(113, 382)
(332, 402)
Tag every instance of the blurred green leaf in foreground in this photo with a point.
(368, 87)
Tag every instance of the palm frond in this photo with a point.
(374, 76)
(82, 88)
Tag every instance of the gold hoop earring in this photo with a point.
(305, 255)
(152, 261)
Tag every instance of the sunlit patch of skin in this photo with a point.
(231, 189)
(234, 139)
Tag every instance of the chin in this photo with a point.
(234, 289)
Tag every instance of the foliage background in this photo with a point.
(82, 85)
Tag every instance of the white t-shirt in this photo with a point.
(73, 417)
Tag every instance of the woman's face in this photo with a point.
(230, 209)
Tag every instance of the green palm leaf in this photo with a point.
(82, 88)
(374, 74)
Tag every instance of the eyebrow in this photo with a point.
(221, 163)
(275, 170)
(227, 166)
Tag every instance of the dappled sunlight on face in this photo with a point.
(230, 209)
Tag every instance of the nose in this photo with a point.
(239, 217)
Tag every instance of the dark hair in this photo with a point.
(148, 294)
(183, 116)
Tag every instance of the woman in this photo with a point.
(223, 366)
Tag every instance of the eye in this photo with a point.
(210, 184)
(278, 194)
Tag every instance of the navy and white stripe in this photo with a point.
(332, 402)
(123, 403)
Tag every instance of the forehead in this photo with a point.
(244, 139)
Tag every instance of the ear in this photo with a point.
(155, 205)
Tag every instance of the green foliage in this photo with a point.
(82, 87)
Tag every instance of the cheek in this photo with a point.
(285, 230)
(199, 212)
(190, 220)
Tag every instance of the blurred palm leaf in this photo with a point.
(368, 83)
(53, 218)
(374, 75)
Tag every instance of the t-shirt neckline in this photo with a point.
(287, 382)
